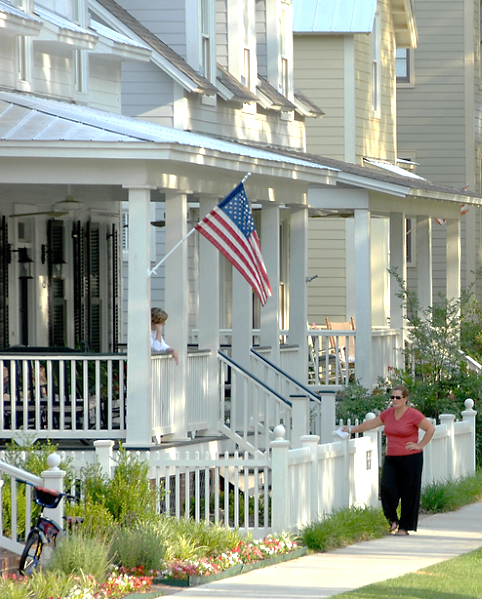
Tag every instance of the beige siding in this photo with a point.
(375, 136)
(318, 71)
(435, 113)
(326, 258)
(226, 120)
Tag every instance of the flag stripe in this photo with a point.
(230, 228)
(232, 248)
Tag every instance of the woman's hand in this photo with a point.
(413, 446)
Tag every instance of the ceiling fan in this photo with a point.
(61, 208)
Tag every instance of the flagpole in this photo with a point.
(153, 270)
(150, 272)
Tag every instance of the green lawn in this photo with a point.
(458, 578)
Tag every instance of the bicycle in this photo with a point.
(44, 534)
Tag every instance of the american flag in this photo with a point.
(230, 227)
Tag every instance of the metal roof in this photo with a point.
(333, 16)
(30, 118)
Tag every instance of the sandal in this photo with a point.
(393, 527)
(401, 533)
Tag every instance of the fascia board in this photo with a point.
(373, 184)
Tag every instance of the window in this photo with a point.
(206, 54)
(285, 50)
(80, 72)
(402, 65)
(411, 223)
(376, 62)
(24, 62)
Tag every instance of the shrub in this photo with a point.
(142, 545)
(344, 527)
(79, 554)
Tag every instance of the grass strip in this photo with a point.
(457, 578)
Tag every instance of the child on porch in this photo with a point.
(158, 319)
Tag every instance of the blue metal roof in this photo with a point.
(333, 16)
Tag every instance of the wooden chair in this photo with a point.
(347, 350)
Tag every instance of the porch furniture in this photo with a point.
(347, 356)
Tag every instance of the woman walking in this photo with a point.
(402, 467)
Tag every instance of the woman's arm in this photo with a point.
(366, 425)
(429, 429)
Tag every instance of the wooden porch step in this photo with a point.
(8, 562)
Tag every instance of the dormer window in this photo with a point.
(280, 46)
(207, 52)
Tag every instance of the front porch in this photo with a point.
(66, 395)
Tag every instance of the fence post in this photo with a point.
(372, 461)
(299, 418)
(469, 414)
(53, 478)
(104, 455)
(448, 420)
(311, 441)
(328, 416)
(280, 506)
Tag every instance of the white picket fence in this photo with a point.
(282, 490)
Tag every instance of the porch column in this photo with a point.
(453, 258)
(139, 386)
(424, 261)
(398, 262)
(176, 333)
(363, 319)
(298, 291)
(208, 318)
(270, 249)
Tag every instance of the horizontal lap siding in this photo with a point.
(7, 51)
(53, 75)
(167, 20)
(326, 258)
(156, 101)
(376, 136)
(104, 86)
(318, 71)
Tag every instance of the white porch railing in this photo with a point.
(329, 363)
(75, 396)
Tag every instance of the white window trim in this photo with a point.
(23, 61)
(375, 73)
(209, 36)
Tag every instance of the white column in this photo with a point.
(139, 379)
(270, 249)
(208, 317)
(424, 261)
(453, 258)
(398, 262)
(363, 318)
(176, 328)
(298, 291)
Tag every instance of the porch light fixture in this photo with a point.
(55, 258)
(24, 261)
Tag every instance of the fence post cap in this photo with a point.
(370, 416)
(53, 461)
(469, 403)
(279, 432)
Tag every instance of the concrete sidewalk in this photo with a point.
(439, 537)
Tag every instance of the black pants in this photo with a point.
(401, 482)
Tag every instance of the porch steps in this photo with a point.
(8, 562)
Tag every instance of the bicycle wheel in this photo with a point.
(31, 554)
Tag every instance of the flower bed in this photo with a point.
(243, 558)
